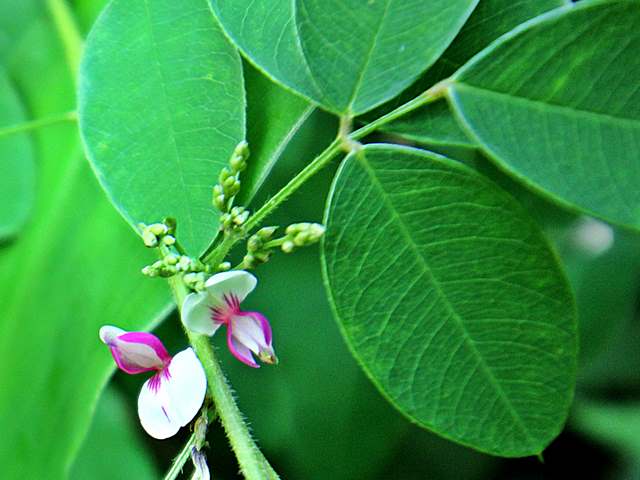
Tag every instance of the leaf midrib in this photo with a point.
(569, 111)
(361, 158)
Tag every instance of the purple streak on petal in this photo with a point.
(156, 380)
(264, 325)
(149, 340)
(239, 351)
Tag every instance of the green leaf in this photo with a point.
(346, 56)
(75, 267)
(17, 164)
(114, 448)
(552, 104)
(274, 117)
(451, 299)
(161, 107)
(316, 378)
(435, 124)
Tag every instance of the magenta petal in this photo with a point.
(135, 352)
(148, 339)
(264, 325)
(239, 351)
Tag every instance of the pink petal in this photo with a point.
(240, 351)
(135, 352)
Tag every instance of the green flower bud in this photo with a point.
(254, 243)
(266, 233)
(301, 239)
(237, 163)
(149, 239)
(158, 229)
(262, 257)
(249, 261)
(220, 203)
(149, 271)
(288, 246)
(184, 263)
(167, 271)
(242, 150)
(228, 183)
(316, 231)
(224, 266)
(168, 240)
(225, 173)
(296, 228)
(171, 259)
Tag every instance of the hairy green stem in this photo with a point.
(35, 124)
(181, 459)
(252, 463)
(69, 34)
(344, 140)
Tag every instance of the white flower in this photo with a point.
(174, 394)
(248, 333)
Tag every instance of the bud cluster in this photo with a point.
(195, 271)
(260, 246)
(229, 179)
(234, 218)
(159, 234)
(301, 235)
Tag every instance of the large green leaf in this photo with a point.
(451, 299)
(17, 164)
(74, 268)
(113, 448)
(346, 56)
(435, 124)
(161, 107)
(552, 103)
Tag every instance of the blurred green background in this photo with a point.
(315, 415)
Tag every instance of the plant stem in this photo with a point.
(434, 93)
(181, 459)
(252, 463)
(69, 34)
(35, 124)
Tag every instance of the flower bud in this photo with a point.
(219, 202)
(254, 243)
(288, 246)
(149, 239)
(168, 240)
(184, 263)
(158, 229)
(224, 266)
(266, 233)
(171, 259)
(238, 164)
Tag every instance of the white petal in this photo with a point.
(155, 413)
(109, 333)
(196, 314)
(178, 398)
(247, 331)
(237, 282)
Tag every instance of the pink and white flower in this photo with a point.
(174, 394)
(248, 333)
